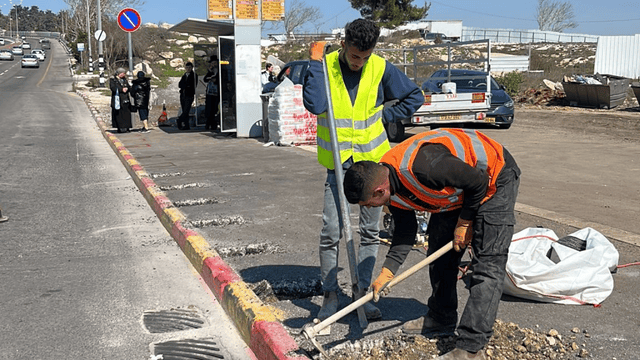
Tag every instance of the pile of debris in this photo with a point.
(543, 97)
(509, 342)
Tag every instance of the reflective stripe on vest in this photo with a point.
(361, 134)
(470, 146)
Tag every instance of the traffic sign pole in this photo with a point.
(100, 55)
(129, 20)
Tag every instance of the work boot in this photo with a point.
(459, 354)
(426, 324)
(372, 312)
(329, 305)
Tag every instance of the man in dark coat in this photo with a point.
(141, 90)
(213, 96)
(120, 113)
(187, 85)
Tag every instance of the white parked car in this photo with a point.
(30, 60)
(39, 53)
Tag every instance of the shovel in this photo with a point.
(310, 332)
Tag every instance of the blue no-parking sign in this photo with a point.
(129, 20)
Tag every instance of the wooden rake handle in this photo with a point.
(314, 330)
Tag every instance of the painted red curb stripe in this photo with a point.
(271, 339)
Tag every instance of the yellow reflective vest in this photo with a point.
(361, 133)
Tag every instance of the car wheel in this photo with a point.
(395, 131)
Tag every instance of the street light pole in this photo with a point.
(89, 38)
(100, 55)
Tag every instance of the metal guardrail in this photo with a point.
(525, 36)
(46, 34)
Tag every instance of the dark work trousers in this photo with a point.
(492, 233)
(211, 111)
(185, 104)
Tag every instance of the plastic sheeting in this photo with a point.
(539, 268)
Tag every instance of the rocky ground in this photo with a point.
(509, 342)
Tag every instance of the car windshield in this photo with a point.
(464, 81)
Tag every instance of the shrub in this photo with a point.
(511, 81)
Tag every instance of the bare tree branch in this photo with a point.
(555, 16)
(300, 14)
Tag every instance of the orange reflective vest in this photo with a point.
(470, 146)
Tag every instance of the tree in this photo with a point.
(390, 13)
(555, 16)
(300, 14)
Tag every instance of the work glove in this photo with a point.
(380, 284)
(317, 49)
(462, 235)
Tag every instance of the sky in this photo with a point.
(594, 17)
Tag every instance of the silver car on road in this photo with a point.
(30, 60)
(6, 55)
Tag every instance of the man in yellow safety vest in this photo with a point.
(360, 83)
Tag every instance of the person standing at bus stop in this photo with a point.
(141, 91)
(120, 101)
(187, 85)
(212, 101)
(360, 83)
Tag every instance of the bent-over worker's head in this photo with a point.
(360, 37)
(367, 183)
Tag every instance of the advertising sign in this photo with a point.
(219, 10)
(247, 9)
(272, 10)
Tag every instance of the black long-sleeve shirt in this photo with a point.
(436, 168)
(188, 83)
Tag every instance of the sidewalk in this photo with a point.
(248, 218)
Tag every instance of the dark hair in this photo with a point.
(268, 65)
(362, 34)
(360, 179)
(141, 74)
(189, 63)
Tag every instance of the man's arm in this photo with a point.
(404, 236)
(314, 94)
(396, 85)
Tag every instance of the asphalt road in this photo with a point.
(82, 256)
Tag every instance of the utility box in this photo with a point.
(611, 93)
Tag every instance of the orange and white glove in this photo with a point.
(380, 284)
(316, 50)
(462, 235)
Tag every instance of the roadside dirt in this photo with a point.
(622, 124)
